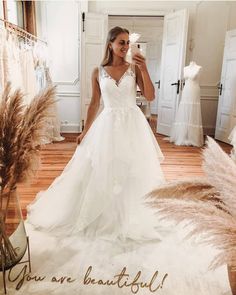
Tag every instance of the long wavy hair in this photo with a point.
(111, 36)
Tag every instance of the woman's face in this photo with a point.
(120, 45)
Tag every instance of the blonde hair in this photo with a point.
(111, 36)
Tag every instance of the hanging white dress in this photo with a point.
(101, 191)
(43, 79)
(232, 138)
(187, 127)
(28, 73)
(3, 59)
(14, 63)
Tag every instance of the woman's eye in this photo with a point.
(123, 43)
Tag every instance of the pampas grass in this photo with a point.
(11, 114)
(30, 136)
(21, 132)
(209, 205)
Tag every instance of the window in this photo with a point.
(14, 12)
(21, 13)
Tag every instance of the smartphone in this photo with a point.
(135, 48)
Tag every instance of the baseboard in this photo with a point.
(209, 130)
(70, 128)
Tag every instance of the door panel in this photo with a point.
(226, 113)
(172, 63)
(93, 38)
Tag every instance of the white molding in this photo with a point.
(209, 97)
(72, 83)
(209, 92)
(209, 130)
(210, 85)
(139, 12)
(69, 94)
(70, 128)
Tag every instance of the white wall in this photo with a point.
(209, 21)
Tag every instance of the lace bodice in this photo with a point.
(119, 94)
(191, 73)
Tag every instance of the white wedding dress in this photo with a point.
(101, 191)
(232, 139)
(187, 127)
(99, 201)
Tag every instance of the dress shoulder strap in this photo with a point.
(132, 68)
(100, 71)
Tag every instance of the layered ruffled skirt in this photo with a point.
(101, 191)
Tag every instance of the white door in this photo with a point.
(172, 63)
(93, 39)
(226, 114)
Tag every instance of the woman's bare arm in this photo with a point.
(143, 79)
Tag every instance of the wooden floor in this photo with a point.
(180, 162)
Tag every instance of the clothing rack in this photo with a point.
(21, 32)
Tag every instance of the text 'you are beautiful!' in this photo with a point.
(120, 280)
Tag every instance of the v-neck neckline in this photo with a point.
(117, 82)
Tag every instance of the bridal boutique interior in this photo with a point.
(62, 48)
(200, 38)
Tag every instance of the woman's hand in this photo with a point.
(80, 138)
(140, 61)
(142, 77)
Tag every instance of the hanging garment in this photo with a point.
(52, 124)
(3, 59)
(28, 74)
(41, 81)
(232, 138)
(14, 63)
(187, 127)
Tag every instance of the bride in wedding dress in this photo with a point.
(101, 191)
(92, 225)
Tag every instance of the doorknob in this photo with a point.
(158, 83)
(220, 87)
(178, 85)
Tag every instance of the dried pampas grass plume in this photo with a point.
(199, 188)
(221, 173)
(30, 135)
(11, 113)
(21, 132)
(207, 205)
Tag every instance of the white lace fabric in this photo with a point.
(187, 127)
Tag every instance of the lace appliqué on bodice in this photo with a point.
(129, 72)
(118, 94)
(191, 73)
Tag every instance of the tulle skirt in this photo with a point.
(187, 128)
(232, 139)
(101, 192)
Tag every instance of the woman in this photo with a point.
(117, 162)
